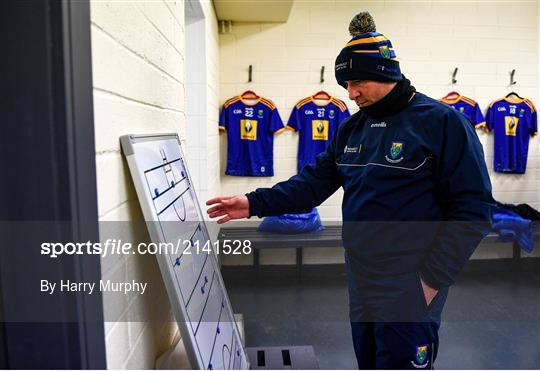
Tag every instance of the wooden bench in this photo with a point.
(329, 237)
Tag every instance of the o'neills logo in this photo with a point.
(348, 149)
(379, 125)
(341, 66)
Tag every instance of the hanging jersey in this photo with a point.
(513, 121)
(250, 134)
(469, 108)
(316, 125)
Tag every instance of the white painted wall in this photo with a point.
(202, 71)
(213, 103)
(138, 60)
(485, 40)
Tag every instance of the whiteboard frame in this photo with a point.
(180, 313)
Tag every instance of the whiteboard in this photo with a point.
(193, 280)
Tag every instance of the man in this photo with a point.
(416, 202)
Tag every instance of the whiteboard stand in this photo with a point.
(194, 284)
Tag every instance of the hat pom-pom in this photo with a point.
(362, 23)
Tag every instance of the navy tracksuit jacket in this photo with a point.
(417, 201)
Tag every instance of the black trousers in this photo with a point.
(392, 325)
(395, 345)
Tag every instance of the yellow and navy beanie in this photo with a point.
(369, 55)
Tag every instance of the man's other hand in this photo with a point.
(232, 207)
(429, 292)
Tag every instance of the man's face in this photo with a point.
(366, 92)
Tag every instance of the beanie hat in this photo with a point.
(369, 55)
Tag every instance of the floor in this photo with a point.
(491, 319)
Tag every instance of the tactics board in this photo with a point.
(194, 284)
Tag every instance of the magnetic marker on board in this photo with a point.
(238, 353)
(172, 183)
(210, 366)
(156, 191)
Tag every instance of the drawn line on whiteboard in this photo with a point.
(198, 278)
(161, 165)
(169, 205)
(215, 337)
(183, 219)
(205, 304)
(158, 194)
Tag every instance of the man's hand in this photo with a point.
(429, 292)
(233, 207)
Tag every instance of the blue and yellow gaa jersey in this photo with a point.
(250, 134)
(316, 124)
(469, 108)
(513, 120)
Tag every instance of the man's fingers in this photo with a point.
(223, 206)
(216, 214)
(215, 208)
(228, 202)
(212, 201)
(216, 200)
(224, 220)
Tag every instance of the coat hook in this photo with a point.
(322, 74)
(250, 72)
(454, 76)
(512, 82)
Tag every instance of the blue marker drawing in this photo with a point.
(205, 282)
(177, 261)
(156, 191)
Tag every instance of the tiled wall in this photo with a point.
(484, 40)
